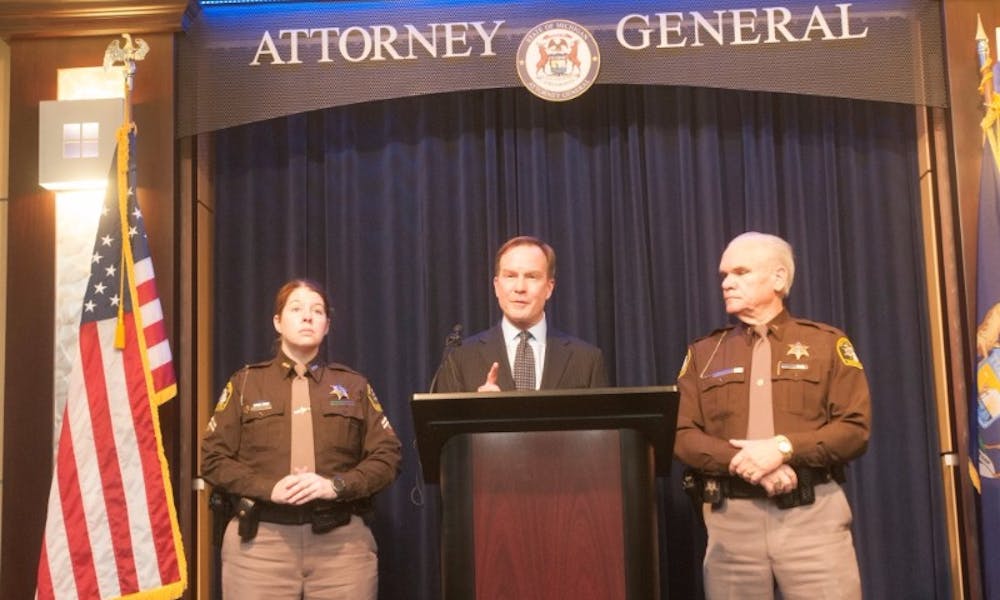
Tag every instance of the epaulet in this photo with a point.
(818, 325)
(259, 365)
(714, 333)
(344, 368)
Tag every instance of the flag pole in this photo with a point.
(985, 62)
(127, 56)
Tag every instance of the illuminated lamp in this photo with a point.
(76, 139)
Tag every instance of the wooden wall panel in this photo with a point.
(31, 267)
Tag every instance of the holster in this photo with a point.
(222, 512)
(328, 518)
(249, 518)
(803, 494)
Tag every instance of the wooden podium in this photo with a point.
(548, 494)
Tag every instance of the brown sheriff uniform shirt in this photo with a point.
(819, 389)
(247, 445)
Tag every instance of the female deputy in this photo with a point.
(301, 447)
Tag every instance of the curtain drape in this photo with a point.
(398, 207)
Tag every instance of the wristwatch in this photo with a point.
(338, 485)
(785, 447)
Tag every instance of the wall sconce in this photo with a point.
(75, 141)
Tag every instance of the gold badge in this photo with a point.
(373, 398)
(684, 367)
(798, 350)
(846, 353)
(224, 398)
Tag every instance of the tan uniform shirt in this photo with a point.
(819, 388)
(247, 445)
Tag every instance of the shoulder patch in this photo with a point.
(224, 398)
(845, 350)
(684, 367)
(372, 398)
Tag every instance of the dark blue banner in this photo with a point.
(244, 63)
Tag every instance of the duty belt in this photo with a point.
(323, 515)
(285, 514)
(712, 489)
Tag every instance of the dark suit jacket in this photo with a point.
(569, 363)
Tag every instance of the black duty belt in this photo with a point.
(284, 514)
(712, 489)
(323, 515)
(737, 487)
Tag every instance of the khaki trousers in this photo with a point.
(806, 550)
(291, 562)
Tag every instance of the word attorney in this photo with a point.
(377, 42)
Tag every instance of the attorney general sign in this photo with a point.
(242, 63)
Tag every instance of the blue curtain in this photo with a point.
(398, 206)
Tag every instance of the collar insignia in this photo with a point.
(798, 350)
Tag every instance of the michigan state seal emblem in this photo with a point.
(558, 60)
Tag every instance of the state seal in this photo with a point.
(558, 60)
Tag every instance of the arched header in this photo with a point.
(244, 63)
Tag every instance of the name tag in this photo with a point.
(793, 366)
(261, 405)
(729, 371)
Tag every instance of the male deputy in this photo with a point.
(770, 410)
(522, 352)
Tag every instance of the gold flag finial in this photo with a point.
(127, 55)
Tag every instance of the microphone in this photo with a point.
(454, 339)
(451, 341)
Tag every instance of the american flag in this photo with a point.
(111, 529)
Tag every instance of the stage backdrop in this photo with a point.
(244, 62)
(398, 206)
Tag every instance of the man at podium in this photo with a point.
(521, 352)
(771, 409)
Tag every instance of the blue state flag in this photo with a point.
(986, 409)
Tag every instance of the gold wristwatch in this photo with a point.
(785, 447)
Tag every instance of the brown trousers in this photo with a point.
(289, 562)
(807, 550)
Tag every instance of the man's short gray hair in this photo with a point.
(779, 249)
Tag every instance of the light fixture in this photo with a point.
(77, 132)
(75, 142)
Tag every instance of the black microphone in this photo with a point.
(454, 339)
(451, 341)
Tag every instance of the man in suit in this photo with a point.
(522, 351)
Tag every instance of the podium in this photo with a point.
(548, 494)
